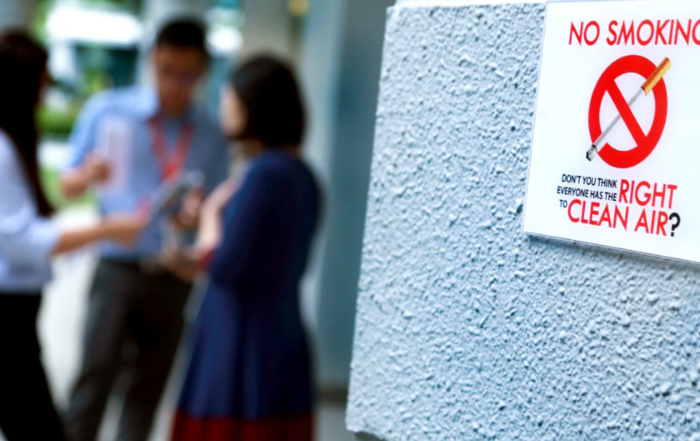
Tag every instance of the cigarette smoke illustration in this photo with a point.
(647, 88)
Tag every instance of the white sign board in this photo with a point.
(616, 147)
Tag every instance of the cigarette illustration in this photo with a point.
(647, 87)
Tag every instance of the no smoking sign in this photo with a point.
(646, 142)
(614, 157)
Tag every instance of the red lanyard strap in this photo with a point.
(170, 166)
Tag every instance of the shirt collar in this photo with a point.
(148, 106)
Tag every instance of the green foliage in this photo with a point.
(57, 122)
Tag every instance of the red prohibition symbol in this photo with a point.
(646, 142)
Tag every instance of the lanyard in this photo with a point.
(170, 166)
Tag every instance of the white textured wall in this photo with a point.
(468, 329)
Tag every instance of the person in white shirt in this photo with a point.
(28, 241)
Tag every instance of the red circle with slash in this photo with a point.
(646, 142)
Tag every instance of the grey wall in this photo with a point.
(15, 13)
(467, 328)
(320, 75)
(268, 27)
(157, 11)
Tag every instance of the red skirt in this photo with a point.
(187, 428)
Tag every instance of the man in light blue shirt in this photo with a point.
(133, 142)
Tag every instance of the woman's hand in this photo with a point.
(218, 199)
(124, 229)
(209, 234)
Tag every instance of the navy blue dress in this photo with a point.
(250, 378)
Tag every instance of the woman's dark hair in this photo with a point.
(22, 75)
(270, 94)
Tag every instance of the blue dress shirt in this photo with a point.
(26, 240)
(135, 106)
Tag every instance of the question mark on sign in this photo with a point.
(676, 223)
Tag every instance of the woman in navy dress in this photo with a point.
(249, 377)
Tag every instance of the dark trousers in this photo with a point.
(133, 329)
(26, 409)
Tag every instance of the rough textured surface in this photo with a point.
(466, 327)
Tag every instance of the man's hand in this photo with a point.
(94, 170)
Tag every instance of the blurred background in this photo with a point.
(336, 47)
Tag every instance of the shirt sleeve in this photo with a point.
(24, 236)
(82, 139)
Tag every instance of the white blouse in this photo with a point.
(26, 240)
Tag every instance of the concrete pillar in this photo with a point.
(340, 65)
(16, 13)
(268, 27)
(468, 328)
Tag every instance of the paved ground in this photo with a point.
(60, 327)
